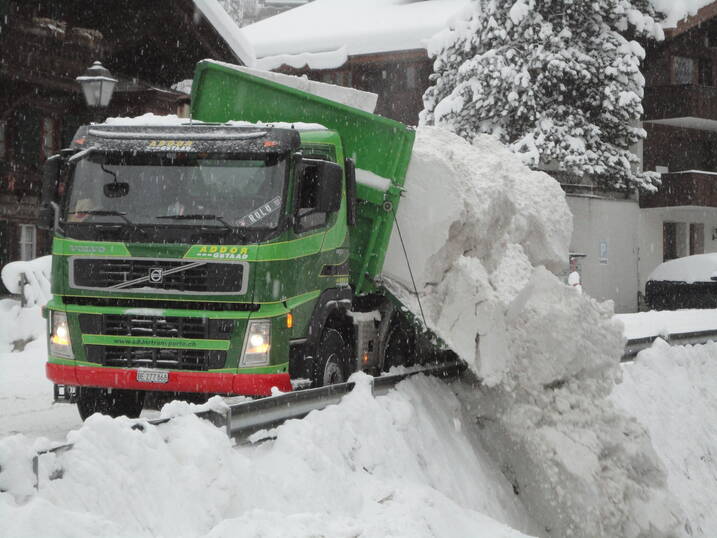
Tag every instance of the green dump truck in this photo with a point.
(224, 255)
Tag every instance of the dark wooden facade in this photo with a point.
(44, 45)
(684, 189)
(399, 79)
(680, 115)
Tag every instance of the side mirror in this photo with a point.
(328, 197)
(50, 179)
(46, 217)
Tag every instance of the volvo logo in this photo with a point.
(156, 275)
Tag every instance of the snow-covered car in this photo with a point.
(689, 282)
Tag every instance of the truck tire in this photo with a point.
(115, 404)
(332, 360)
(398, 345)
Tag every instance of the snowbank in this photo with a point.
(481, 229)
(673, 392)
(664, 322)
(19, 325)
(403, 465)
(37, 273)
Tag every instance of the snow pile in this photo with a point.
(664, 322)
(402, 465)
(36, 275)
(353, 97)
(25, 392)
(151, 119)
(18, 325)
(673, 392)
(548, 355)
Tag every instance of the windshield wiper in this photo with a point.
(109, 213)
(197, 217)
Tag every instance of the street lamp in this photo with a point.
(97, 85)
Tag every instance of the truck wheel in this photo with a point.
(115, 404)
(332, 359)
(398, 346)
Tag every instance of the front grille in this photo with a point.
(157, 275)
(155, 326)
(159, 327)
(149, 303)
(139, 357)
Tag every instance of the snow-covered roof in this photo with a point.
(325, 32)
(228, 29)
(677, 10)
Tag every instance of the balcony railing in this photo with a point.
(665, 102)
(688, 188)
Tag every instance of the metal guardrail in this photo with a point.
(243, 419)
(635, 345)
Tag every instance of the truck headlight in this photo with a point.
(257, 344)
(60, 345)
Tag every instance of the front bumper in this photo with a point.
(201, 382)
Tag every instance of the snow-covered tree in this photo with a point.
(557, 80)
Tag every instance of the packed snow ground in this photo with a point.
(413, 463)
(409, 464)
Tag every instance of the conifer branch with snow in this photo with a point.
(557, 80)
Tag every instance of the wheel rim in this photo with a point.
(332, 371)
(397, 353)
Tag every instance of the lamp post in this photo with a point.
(97, 85)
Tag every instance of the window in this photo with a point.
(705, 73)
(411, 76)
(49, 137)
(684, 70)
(3, 143)
(28, 236)
(697, 238)
(309, 218)
(674, 240)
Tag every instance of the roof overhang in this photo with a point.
(688, 122)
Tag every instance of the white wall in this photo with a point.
(614, 226)
(650, 237)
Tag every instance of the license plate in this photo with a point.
(152, 376)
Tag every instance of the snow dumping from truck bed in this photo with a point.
(483, 233)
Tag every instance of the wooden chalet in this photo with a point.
(375, 48)
(44, 45)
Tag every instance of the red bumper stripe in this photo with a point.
(119, 378)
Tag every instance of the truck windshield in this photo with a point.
(174, 189)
